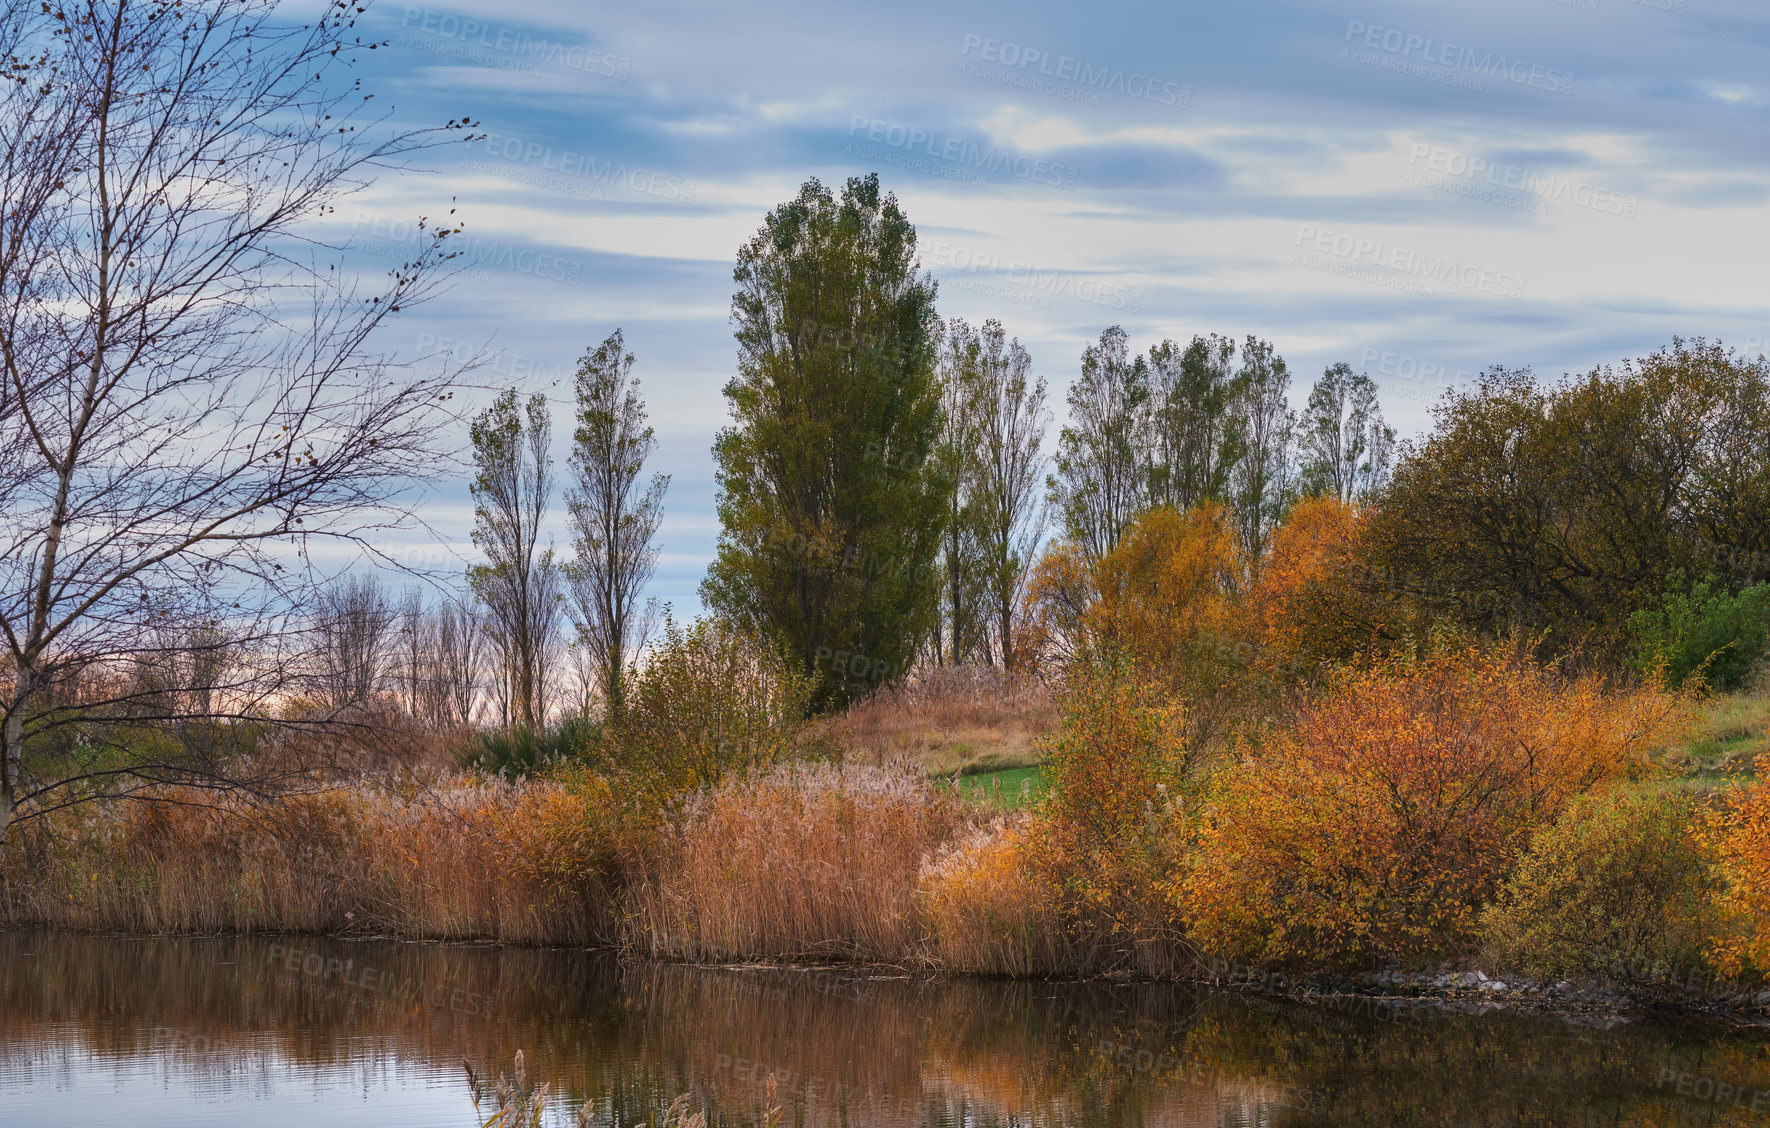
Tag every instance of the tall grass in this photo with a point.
(1377, 829)
(817, 861)
(463, 858)
(952, 719)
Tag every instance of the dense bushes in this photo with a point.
(1379, 828)
(1702, 630)
(1617, 883)
(711, 700)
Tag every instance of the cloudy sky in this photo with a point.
(1421, 190)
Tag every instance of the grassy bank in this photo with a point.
(1477, 811)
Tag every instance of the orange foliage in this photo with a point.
(1105, 836)
(989, 908)
(1307, 606)
(1380, 827)
(1059, 591)
(1168, 587)
(1739, 838)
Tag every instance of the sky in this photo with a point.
(1421, 190)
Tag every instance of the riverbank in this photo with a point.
(1477, 812)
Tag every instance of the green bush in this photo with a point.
(710, 700)
(1702, 630)
(1617, 888)
(522, 751)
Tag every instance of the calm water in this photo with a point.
(151, 1032)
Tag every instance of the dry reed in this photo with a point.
(950, 719)
(813, 862)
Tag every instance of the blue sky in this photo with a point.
(1421, 190)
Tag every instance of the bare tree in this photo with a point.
(456, 647)
(355, 633)
(1009, 512)
(415, 654)
(613, 520)
(520, 585)
(186, 402)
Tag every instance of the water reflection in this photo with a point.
(306, 1031)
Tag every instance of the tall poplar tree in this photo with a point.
(831, 506)
(520, 582)
(1103, 460)
(613, 519)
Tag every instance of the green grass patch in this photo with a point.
(1008, 789)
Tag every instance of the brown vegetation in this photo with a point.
(952, 719)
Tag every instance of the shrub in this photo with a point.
(520, 751)
(802, 862)
(711, 700)
(990, 910)
(1105, 836)
(1738, 835)
(1703, 631)
(1381, 825)
(1317, 600)
(1616, 886)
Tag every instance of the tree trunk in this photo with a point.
(12, 753)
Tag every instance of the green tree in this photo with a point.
(1193, 437)
(1262, 477)
(959, 634)
(1102, 473)
(1005, 505)
(831, 505)
(1345, 443)
(613, 521)
(1564, 509)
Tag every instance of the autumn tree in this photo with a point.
(613, 518)
(187, 402)
(832, 509)
(1561, 509)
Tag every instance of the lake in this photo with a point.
(305, 1031)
